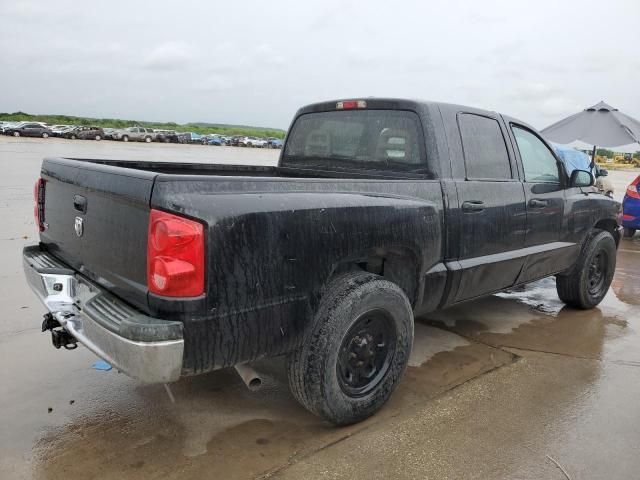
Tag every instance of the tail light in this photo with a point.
(38, 207)
(175, 256)
(632, 190)
(351, 104)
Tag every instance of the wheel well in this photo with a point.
(610, 226)
(396, 265)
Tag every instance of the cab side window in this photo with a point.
(484, 147)
(540, 165)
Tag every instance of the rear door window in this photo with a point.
(484, 147)
(357, 140)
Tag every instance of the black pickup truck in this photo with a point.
(378, 211)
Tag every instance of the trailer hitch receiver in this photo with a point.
(59, 336)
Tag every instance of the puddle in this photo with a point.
(490, 314)
(428, 341)
(540, 296)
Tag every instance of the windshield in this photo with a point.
(357, 140)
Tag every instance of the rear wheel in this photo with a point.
(588, 282)
(125, 138)
(629, 232)
(45, 135)
(73, 137)
(147, 139)
(356, 350)
(16, 134)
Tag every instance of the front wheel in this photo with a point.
(628, 232)
(147, 139)
(356, 350)
(45, 135)
(125, 138)
(589, 280)
(98, 138)
(16, 134)
(73, 137)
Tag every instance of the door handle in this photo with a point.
(535, 203)
(472, 206)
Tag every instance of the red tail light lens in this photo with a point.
(632, 190)
(175, 256)
(351, 104)
(38, 208)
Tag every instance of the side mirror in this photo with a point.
(580, 178)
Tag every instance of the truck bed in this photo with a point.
(273, 237)
(182, 168)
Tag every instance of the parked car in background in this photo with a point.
(192, 137)
(85, 133)
(135, 134)
(7, 125)
(252, 142)
(58, 130)
(29, 129)
(273, 142)
(212, 140)
(167, 136)
(108, 133)
(631, 208)
(235, 140)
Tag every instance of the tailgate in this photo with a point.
(112, 205)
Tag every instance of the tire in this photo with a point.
(588, 282)
(98, 138)
(73, 137)
(629, 232)
(147, 139)
(355, 307)
(125, 138)
(16, 134)
(45, 135)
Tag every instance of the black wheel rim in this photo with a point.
(366, 353)
(598, 269)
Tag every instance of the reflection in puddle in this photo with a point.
(541, 296)
(494, 314)
(428, 341)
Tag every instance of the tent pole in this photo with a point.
(593, 158)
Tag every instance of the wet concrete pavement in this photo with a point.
(493, 388)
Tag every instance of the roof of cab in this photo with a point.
(398, 104)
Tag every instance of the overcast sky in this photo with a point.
(255, 63)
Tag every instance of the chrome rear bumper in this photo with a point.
(143, 347)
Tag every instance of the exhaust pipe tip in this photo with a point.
(249, 376)
(255, 384)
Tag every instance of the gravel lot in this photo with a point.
(495, 386)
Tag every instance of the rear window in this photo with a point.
(357, 140)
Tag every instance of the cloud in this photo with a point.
(215, 82)
(170, 56)
(266, 55)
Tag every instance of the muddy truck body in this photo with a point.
(378, 211)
